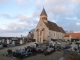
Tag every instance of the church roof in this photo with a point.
(62, 29)
(53, 26)
(43, 12)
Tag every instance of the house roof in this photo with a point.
(43, 12)
(73, 35)
(53, 26)
(67, 35)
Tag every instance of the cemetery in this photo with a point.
(46, 48)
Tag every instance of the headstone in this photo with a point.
(63, 44)
(13, 43)
(51, 43)
(2, 40)
(1, 46)
(74, 46)
(33, 45)
(22, 48)
(8, 41)
(21, 42)
(58, 43)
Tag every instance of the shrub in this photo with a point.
(4, 45)
(72, 56)
(9, 51)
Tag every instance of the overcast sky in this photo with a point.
(18, 17)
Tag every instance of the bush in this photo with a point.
(72, 56)
(4, 45)
(9, 51)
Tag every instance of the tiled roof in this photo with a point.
(43, 12)
(53, 26)
(67, 35)
(73, 35)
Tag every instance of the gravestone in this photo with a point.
(8, 41)
(74, 46)
(51, 43)
(22, 48)
(13, 43)
(63, 44)
(2, 40)
(21, 41)
(1, 46)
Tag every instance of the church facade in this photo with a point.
(47, 30)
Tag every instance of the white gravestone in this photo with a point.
(74, 46)
(21, 42)
(13, 42)
(8, 41)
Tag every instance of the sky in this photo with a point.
(18, 17)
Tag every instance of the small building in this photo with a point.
(72, 36)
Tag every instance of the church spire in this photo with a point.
(43, 12)
(43, 15)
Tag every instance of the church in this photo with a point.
(47, 30)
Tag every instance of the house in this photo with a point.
(72, 36)
(47, 30)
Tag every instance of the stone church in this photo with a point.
(47, 30)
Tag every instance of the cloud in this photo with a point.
(22, 17)
(26, 19)
(23, 25)
(3, 1)
(20, 1)
(16, 27)
(76, 1)
(6, 16)
(78, 23)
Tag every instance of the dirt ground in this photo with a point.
(54, 56)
